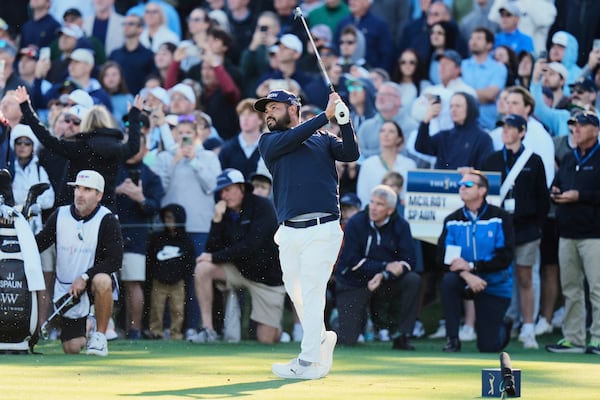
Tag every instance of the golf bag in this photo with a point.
(20, 274)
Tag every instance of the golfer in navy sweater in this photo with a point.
(301, 160)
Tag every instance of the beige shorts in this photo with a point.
(267, 301)
(134, 267)
(48, 258)
(526, 253)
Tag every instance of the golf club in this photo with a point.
(67, 303)
(508, 380)
(298, 14)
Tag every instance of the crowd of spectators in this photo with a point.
(429, 84)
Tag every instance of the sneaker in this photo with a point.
(543, 327)
(190, 334)
(418, 330)
(564, 346)
(440, 333)
(327, 347)
(402, 343)
(205, 335)
(285, 337)
(528, 340)
(134, 334)
(452, 345)
(557, 318)
(293, 370)
(383, 335)
(467, 333)
(594, 347)
(97, 345)
(360, 339)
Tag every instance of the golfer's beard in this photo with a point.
(281, 124)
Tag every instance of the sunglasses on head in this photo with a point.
(468, 184)
(75, 121)
(23, 142)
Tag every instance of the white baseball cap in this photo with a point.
(82, 55)
(185, 90)
(560, 69)
(560, 38)
(82, 98)
(291, 42)
(72, 30)
(158, 92)
(90, 179)
(78, 110)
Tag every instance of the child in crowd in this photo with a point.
(262, 184)
(170, 259)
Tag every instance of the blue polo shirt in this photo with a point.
(480, 76)
(516, 40)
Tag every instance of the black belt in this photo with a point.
(310, 222)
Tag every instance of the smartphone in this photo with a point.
(134, 175)
(543, 55)
(596, 44)
(278, 84)
(436, 98)
(2, 69)
(186, 141)
(45, 53)
(263, 28)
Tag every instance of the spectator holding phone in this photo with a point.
(138, 195)
(189, 174)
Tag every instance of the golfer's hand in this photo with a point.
(78, 287)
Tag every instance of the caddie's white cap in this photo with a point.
(90, 179)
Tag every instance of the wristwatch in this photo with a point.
(471, 266)
(85, 276)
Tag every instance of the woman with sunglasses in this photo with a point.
(28, 171)
(99, 146)
(411, 76)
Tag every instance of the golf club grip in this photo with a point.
(505, 362)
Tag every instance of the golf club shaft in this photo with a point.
(43, 330)
(298, 13)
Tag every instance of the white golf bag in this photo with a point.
(20, 277)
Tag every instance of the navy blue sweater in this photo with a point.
(378, 246)
(302, 163)
(581, 219)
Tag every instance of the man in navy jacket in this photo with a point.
(376, 264)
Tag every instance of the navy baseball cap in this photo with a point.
(450, 55)
(279, 96)
(514, 120)
(584, 83)
(350, 199)
(231, 176)
(584, 118)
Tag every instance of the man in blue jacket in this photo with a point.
(376, 264)
(477, 249)
(301, 160)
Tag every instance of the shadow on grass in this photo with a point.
(233, 390)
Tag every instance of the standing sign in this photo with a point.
(433, 194)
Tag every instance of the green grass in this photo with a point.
(179, 370)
